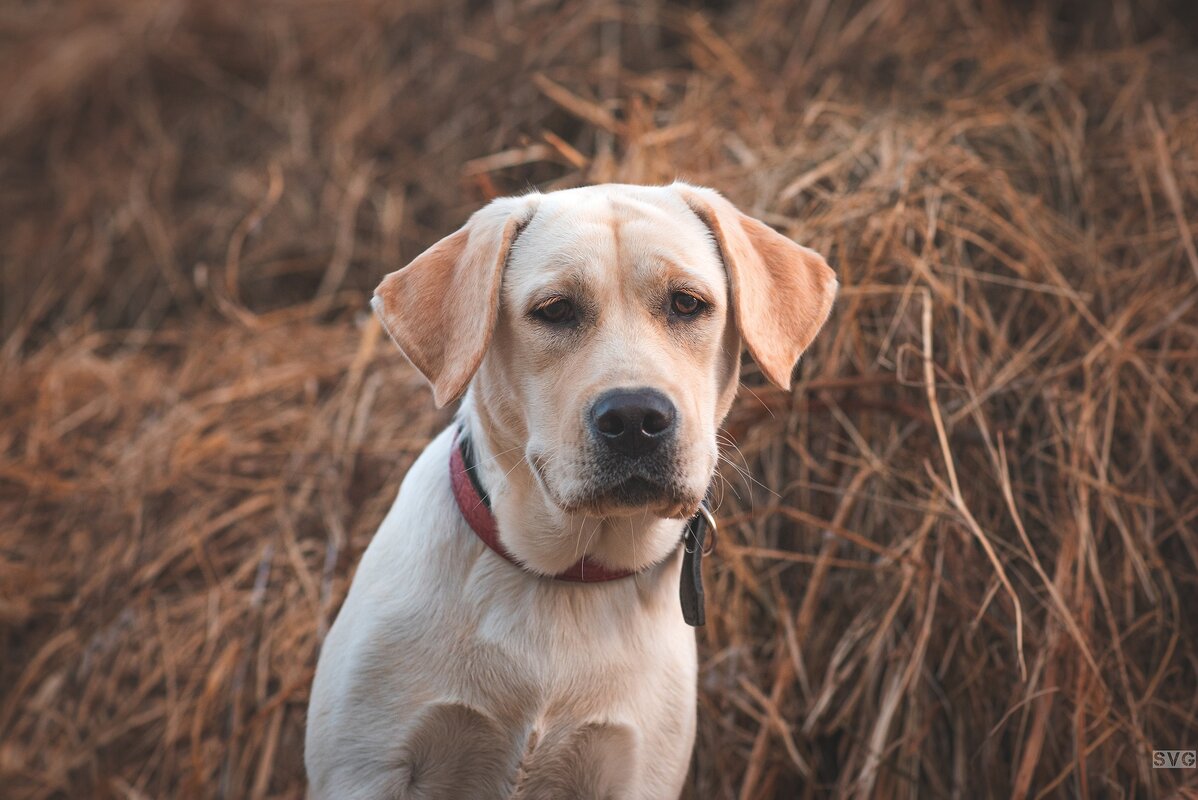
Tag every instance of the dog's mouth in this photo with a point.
(637, 491)
(636, 495)
(624, 490)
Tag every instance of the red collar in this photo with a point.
(476, 509)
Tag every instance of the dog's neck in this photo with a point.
(542, 536)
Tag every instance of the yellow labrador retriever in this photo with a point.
(514, 628)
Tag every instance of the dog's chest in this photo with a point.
(552, 714)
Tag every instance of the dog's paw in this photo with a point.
(453, 752)
(594, 761)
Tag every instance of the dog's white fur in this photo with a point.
(452, 673)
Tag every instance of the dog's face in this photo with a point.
(605, 326)
(620, 357)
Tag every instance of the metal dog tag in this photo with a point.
(695, 541)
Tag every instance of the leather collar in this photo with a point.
(475, 507)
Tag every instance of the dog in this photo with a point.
(513, 629)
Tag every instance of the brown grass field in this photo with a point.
(959, 560)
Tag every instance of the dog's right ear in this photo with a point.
(441, 308)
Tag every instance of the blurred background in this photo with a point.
(960, 559)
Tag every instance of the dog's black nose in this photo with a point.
(633, 422)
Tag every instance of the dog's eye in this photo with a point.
(557, 311)
(685, 304)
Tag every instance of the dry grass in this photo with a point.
(960, 559)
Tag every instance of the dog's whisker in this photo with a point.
(632, 533)
(486, 461)
(747, 476)
(590, 539)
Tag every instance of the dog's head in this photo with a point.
(602, 328)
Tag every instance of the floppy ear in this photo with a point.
(441, 308)
(782, 292)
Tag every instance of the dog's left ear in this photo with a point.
(782, 292)
(441, 308)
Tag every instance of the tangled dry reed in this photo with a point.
(960, 559)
